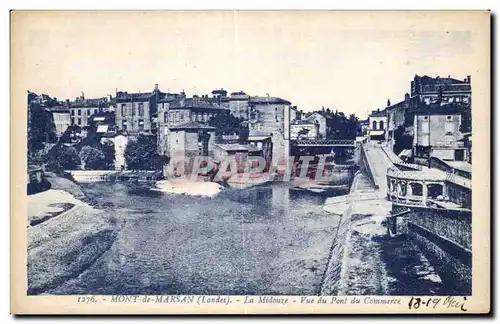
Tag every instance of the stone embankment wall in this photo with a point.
(365, 167)
(335, 268)
(445, 236)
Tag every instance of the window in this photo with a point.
(124, 125)
(141, 109)
(374, 124)
(79, 121)
(141, 125)
(426, 117)
(448, 118)
(88, 112)
(79, 112)
(381, 124)
(165, 117)
(72, 112)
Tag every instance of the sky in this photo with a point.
(352, 63)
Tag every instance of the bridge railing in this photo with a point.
(325, 142)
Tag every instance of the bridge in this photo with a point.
(324, 143)
(382, 206)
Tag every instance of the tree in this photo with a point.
(92, 158)
(61, 157)
(41, 128)
(402, 141)
(303, 132)
(140, 154)
(227, 122)
(109, 155)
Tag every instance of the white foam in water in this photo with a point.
(188, 187)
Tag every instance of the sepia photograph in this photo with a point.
(250, 161)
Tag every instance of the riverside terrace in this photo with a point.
(429, 187)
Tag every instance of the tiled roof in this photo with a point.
(268, 100)
(193, 125)
(121, 96)
(193, 103)
(59, 109)
(378, 113)
(428, 80)
(304, 122)
(89, 103)
(239, 147)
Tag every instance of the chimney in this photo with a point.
(156, 86)
(407, 97)
(468, 79)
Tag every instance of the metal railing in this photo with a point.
(325, 142)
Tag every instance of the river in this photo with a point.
(270, 239)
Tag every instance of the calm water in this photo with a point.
(270, 239)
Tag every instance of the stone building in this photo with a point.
(83, 108)
(239, 105)
(447, 90)
(304, 129)
(437, 134)
(377, 123)
(135, 111)
(270, 116)
(240, 152)
(186, 141)
(323, 124)
(120, 142)
(61, 118)
(176, 110)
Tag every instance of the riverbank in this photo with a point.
(66, 235)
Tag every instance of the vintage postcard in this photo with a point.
(250, 162)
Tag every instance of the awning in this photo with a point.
(99, 118)
(377, 132)
(102, 128)
(406, 153)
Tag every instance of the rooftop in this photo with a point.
(193, 125)
(186, 103)
(268, 100)
(239, 147)
(438, 80)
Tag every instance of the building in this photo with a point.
(61, 118)
(135, 111)
(267, 115)
(120, 142)
(324, 124)
(377, 124)
(186, 141)
(270, 116)
(239, 105)
(446, 90)
(240, 152)
(304, 129)
(437, 134)
(468, 146)
(265, 144)
(83, 108)
(176, 110)
(396, 119)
